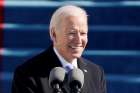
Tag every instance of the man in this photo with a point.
(68, 32)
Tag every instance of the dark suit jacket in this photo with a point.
(32, 76)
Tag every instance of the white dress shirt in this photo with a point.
(65, 63)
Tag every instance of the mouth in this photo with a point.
(75, 47)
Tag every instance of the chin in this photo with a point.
(76, 55)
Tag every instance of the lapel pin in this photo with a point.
(85, 70)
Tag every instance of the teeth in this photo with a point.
(75, 46)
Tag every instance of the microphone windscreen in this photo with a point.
(57, 75)
(76, 76)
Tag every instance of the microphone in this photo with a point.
(75, 80)
(56, 78)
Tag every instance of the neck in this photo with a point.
(64, 58)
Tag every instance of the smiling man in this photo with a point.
(69, 35)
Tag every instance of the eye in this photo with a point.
(83, 33)
(72, 33)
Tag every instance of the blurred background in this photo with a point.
(114, 38)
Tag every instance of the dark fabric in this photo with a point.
(32, 76)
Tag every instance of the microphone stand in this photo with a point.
(75, 89)
(57, 89)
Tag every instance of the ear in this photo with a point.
(53, 34)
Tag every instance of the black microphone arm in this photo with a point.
(56, 78)
(75, 80)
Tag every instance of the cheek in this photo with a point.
(86, 40)
(64, 42)
(60, 39)
(70, 37)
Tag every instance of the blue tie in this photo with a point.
(68, 68)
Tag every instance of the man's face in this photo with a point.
(71, 37)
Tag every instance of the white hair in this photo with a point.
(68, 10)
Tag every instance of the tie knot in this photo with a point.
(68, 67)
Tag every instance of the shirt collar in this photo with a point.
(63, 61)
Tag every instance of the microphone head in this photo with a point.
(57, 76)
(76, 78)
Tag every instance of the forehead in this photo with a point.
(73, 21)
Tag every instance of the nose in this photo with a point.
(78, 38)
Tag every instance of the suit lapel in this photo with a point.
(55, 62)
(53, 59)
(83, 66)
